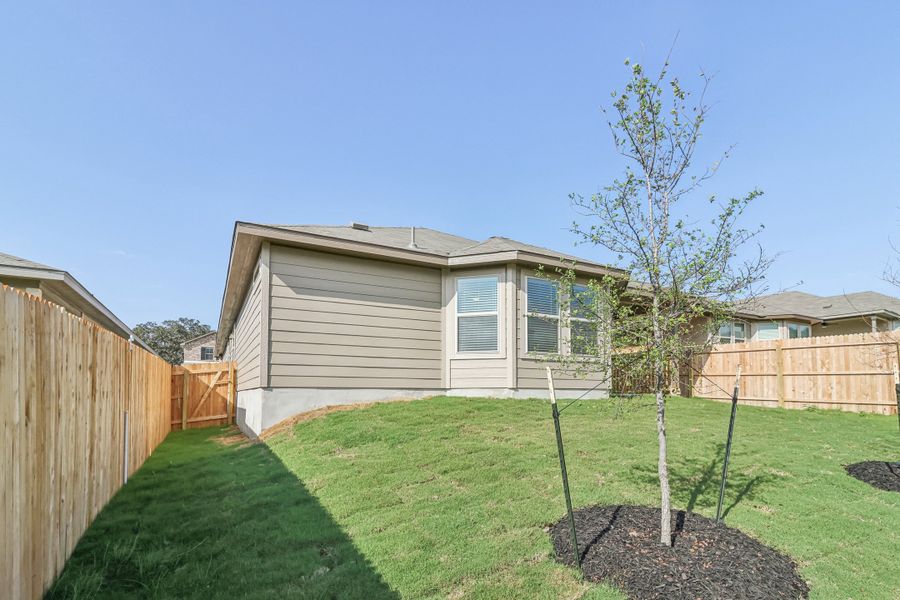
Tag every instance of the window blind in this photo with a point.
(477, 333)
(543, 335)
(476, 294)
(543, 297)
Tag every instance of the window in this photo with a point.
(543, 315)
(477, 314)
(798, 330)
(583, 320)
(732, 332)
(206, 353)
(767, 331)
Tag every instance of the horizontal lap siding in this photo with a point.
(347, 322)
(247, 337)
(478, 373)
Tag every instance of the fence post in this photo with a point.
(734, 401)
(230, 410)
(125, 451)
(779, 372)
(562, 467)
(185, 393)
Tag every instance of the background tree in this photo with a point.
(686, 273)
(166, 337)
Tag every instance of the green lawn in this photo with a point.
(448, 498)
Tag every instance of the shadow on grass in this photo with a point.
(205, 519)
(695, 482)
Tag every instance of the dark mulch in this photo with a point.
(878, 473)
(620, 544)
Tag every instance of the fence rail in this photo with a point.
(845, 372)
(65, 387)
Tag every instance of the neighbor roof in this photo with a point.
(419, 245)
(198, 338)
(822, 308)
(62, 285)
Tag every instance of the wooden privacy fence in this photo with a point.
(845, 372)
(210, 392)
(66, 385)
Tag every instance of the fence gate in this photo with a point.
(203, 394)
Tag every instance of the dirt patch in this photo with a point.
(315, 414)
(620, 545)
(881, 474)
(233, 437)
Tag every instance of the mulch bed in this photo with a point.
(620, 545)
(878, 473)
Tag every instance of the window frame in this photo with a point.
(797, 324)
(716, 334)
(500, 313)
(757, 328)
(528, 314)
(212, 351)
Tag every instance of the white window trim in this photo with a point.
(501, 317)
(560, 345)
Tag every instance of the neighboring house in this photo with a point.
(799, 315)
(199, 349)
(61, 288)
(317, 315)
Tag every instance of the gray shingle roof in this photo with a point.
(822, 307)
(8, 260)
(428, 241)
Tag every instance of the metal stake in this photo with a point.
(125, 445)
(562, 467)
(734, 401)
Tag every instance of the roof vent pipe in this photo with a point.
(359, 226)
(412, 238)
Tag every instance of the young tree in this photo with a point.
(685, 273)
(166, 338)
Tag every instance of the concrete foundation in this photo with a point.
(261, 408)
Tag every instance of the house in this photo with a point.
(319, 315)
(798, 315)
(59, 287)
(199, 349)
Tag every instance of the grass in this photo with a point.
(449, 497)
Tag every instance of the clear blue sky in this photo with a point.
(132, 137)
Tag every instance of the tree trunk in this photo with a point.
(665, 505)
(665, 529)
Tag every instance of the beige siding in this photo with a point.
(247, 336)
(346, 322)
(848, 326)
(478, 373)
(531, 371)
